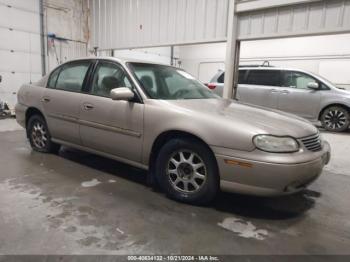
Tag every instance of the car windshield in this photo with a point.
(169, 83)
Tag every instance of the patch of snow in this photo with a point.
(92, 183)
(120, 231)
(243, 228)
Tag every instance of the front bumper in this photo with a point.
(256, 177)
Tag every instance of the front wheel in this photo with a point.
(335, 119)
(186, 170)
(39, 135)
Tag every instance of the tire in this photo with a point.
(335, 119)
(186, 171)
(39, 135)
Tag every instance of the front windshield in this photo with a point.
(169, 83)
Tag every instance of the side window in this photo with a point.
(107, 77)
(221, 78)
(71, 77)
(51, 83)
(297, 80)
(264, 77)
(324, 87)
(241, 77)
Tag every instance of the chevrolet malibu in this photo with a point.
(161, 119)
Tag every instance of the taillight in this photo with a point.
(211, 86)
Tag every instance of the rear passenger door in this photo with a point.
(259, 87)
(61, 100)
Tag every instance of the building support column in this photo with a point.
(236, 68)
(172, 55)
(232, 53)
(42, 38)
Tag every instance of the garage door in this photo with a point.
(20, 49)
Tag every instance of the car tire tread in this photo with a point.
(51, 147)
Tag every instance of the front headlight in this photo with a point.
(276, 144)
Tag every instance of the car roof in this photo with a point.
(116, 59)
(270, 68)
(220, 72)
(267, 68)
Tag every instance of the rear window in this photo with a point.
(69, 77)
(264, 77)
(53, 78)
(221, 78)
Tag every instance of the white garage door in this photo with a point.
(20, 49)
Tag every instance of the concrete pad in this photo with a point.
(340, 142)
(79, 203)
(9, 124)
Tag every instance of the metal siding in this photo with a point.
(346, 19)
(118, 24)
(70, 50)
(250, 5)
(64, 51)
(322, 17)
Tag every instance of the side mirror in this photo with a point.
(122, 93)
(313, 86)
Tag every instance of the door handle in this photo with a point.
(46, 99)
(285, 92)
(274, 91)
(88, 107)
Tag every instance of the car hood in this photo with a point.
(252, 119)
(343, 92)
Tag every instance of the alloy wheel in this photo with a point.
(335, 119)
(39, 135)
(186, 171)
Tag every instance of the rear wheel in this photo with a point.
(335, 119)
(186, 170)
(39, 135)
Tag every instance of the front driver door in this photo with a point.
(113, 127)
(296, 98)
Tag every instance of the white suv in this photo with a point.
(292, 90)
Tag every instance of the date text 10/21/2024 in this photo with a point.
(173, 258)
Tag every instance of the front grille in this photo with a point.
(312, 143)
